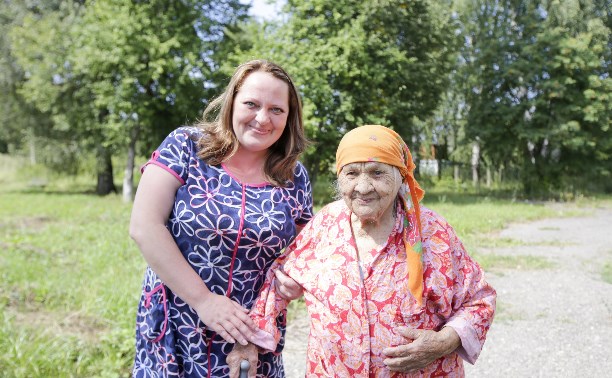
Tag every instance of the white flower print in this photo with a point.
(143, 366)
(205, 192)
(173, 158)
(210, 265)
(180, 221)
(194, 359)
(166, 360)
(265, 216)
(192, 329)
(218, 235)
(263, 243)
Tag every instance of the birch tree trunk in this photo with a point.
(475, 162)
(128, 177)
(32, 146)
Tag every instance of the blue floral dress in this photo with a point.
(230, 233)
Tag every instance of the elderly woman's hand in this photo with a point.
(422, 348)
(242, 352)
(286, 287)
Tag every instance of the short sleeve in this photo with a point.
(174, 153)
(303, 195)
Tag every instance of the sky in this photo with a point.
(262, 9)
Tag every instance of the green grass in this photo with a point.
(493, 242)
(69, 285)
(476, 218)
(70, 276)
(503, 262)
(505, 313)
(474, 215)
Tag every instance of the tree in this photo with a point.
(449, 125)
(538, 89)
(149, 62)
(121, 70)
(360, 62)
(21, 122)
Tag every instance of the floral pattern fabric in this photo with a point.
(355, 305)
(230, 233)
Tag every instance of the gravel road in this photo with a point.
(552, 322)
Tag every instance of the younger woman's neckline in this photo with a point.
(242, 182)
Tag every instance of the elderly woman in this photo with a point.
(389, 288)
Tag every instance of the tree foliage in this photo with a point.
(21, 122)
(539, 87)
(528, 80)
(358, 62)
(116, 71)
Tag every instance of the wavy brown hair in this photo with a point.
(219, 143)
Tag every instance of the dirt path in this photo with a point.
(553, 322)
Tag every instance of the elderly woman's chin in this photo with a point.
(367, 213)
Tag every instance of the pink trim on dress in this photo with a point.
(154, 156)
(148, 303)
(154, 161)
(231, 269)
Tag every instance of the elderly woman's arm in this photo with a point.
(285, 286)
(426, 347)
(266, 309)
(472, 321)
(472, 302)
(264, 313)
(270, 302)
(464, 333)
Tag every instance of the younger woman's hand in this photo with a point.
(227, 318)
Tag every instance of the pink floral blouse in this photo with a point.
(354, 307)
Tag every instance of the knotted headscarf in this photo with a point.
(375, 143)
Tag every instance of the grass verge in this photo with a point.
(70, 277)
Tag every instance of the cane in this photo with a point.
(244, 369)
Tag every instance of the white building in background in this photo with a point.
(429, 167)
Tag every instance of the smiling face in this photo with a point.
(260, 111)
(369, 189)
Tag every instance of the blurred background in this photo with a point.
(501, 102)
(512, 94)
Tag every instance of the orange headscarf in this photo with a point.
(380, 144)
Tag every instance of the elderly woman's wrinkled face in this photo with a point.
(369, 189)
